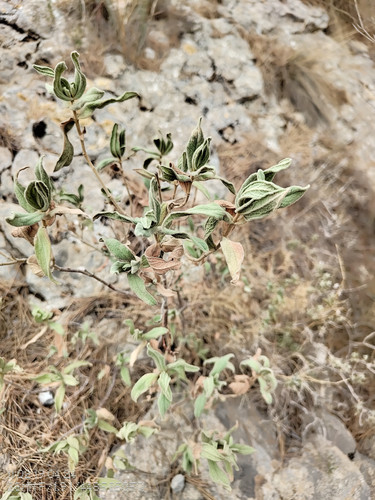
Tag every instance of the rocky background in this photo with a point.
(271, 79)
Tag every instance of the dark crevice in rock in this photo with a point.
(39, 129)
(30, 36)
(246, 99)
(191, 100)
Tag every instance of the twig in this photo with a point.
(91, 275)
(89, 162)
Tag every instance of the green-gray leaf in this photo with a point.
(67, 154)
(157, 357)
(38, 196)
(138, 287)
(19, 191)
(210, 210)
(163, 382)
(142, 385)
(43, 252)
(89, 108)
(163, 404)
(199, 405)
(91, 95)
(42, 175)
(19, 220)
(44, 70)
(119, 250)
(79, 86)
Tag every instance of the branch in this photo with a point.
(91, 275)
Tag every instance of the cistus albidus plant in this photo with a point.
(177, 228)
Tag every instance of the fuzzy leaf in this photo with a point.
(19, 220)
(234, 254)
(79, 86)
(142, 385)
(67, 154)
(107, 427)
(61, 87)
(163, 382)
(119, 250)
(199, 405)
(157, 357)
(42, 175)
(43, 252)
(155, 333)
(220, 364)
(195, 141)
(89, 108)
(294, 194)
(163, 404)
(59, 398)
(210, 210)
(38, 196)
(217, 475)
(211, 453)
(138, 287)
(44, 70)
(19, 191)
(117, 216)
(91, 95)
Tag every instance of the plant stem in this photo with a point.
(231, 226)
(89, 162)
(91, 275)
(126, 187)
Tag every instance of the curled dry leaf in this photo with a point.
(149, 423)
(169, 245)
(185, 186)
(26, 232)
(234, 254)
(165, 292)
(159, 265)
(62, 210)
(34, 266)
(105, 414)
(241, 384)
(198, 386)
(227, 205)
(134, 355)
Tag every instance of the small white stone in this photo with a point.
(46, 398)
(178, 483)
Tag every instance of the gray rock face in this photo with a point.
(322, 471)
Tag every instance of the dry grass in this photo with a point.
(126, 27)
(348, 17)
(317, 309)
(27, 426)
(299, 74)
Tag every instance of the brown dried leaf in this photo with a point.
(227, 205)
(134, 355)
(234, 254)
(170, 245)
(105, 414)
(62, 210)
(185, 186)
(165, 292)
(36, 337)
(60, 344)
(240, 385)
(27, 232)
(198, 386)
(161, 266)
(153, 250)
(34, 266)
